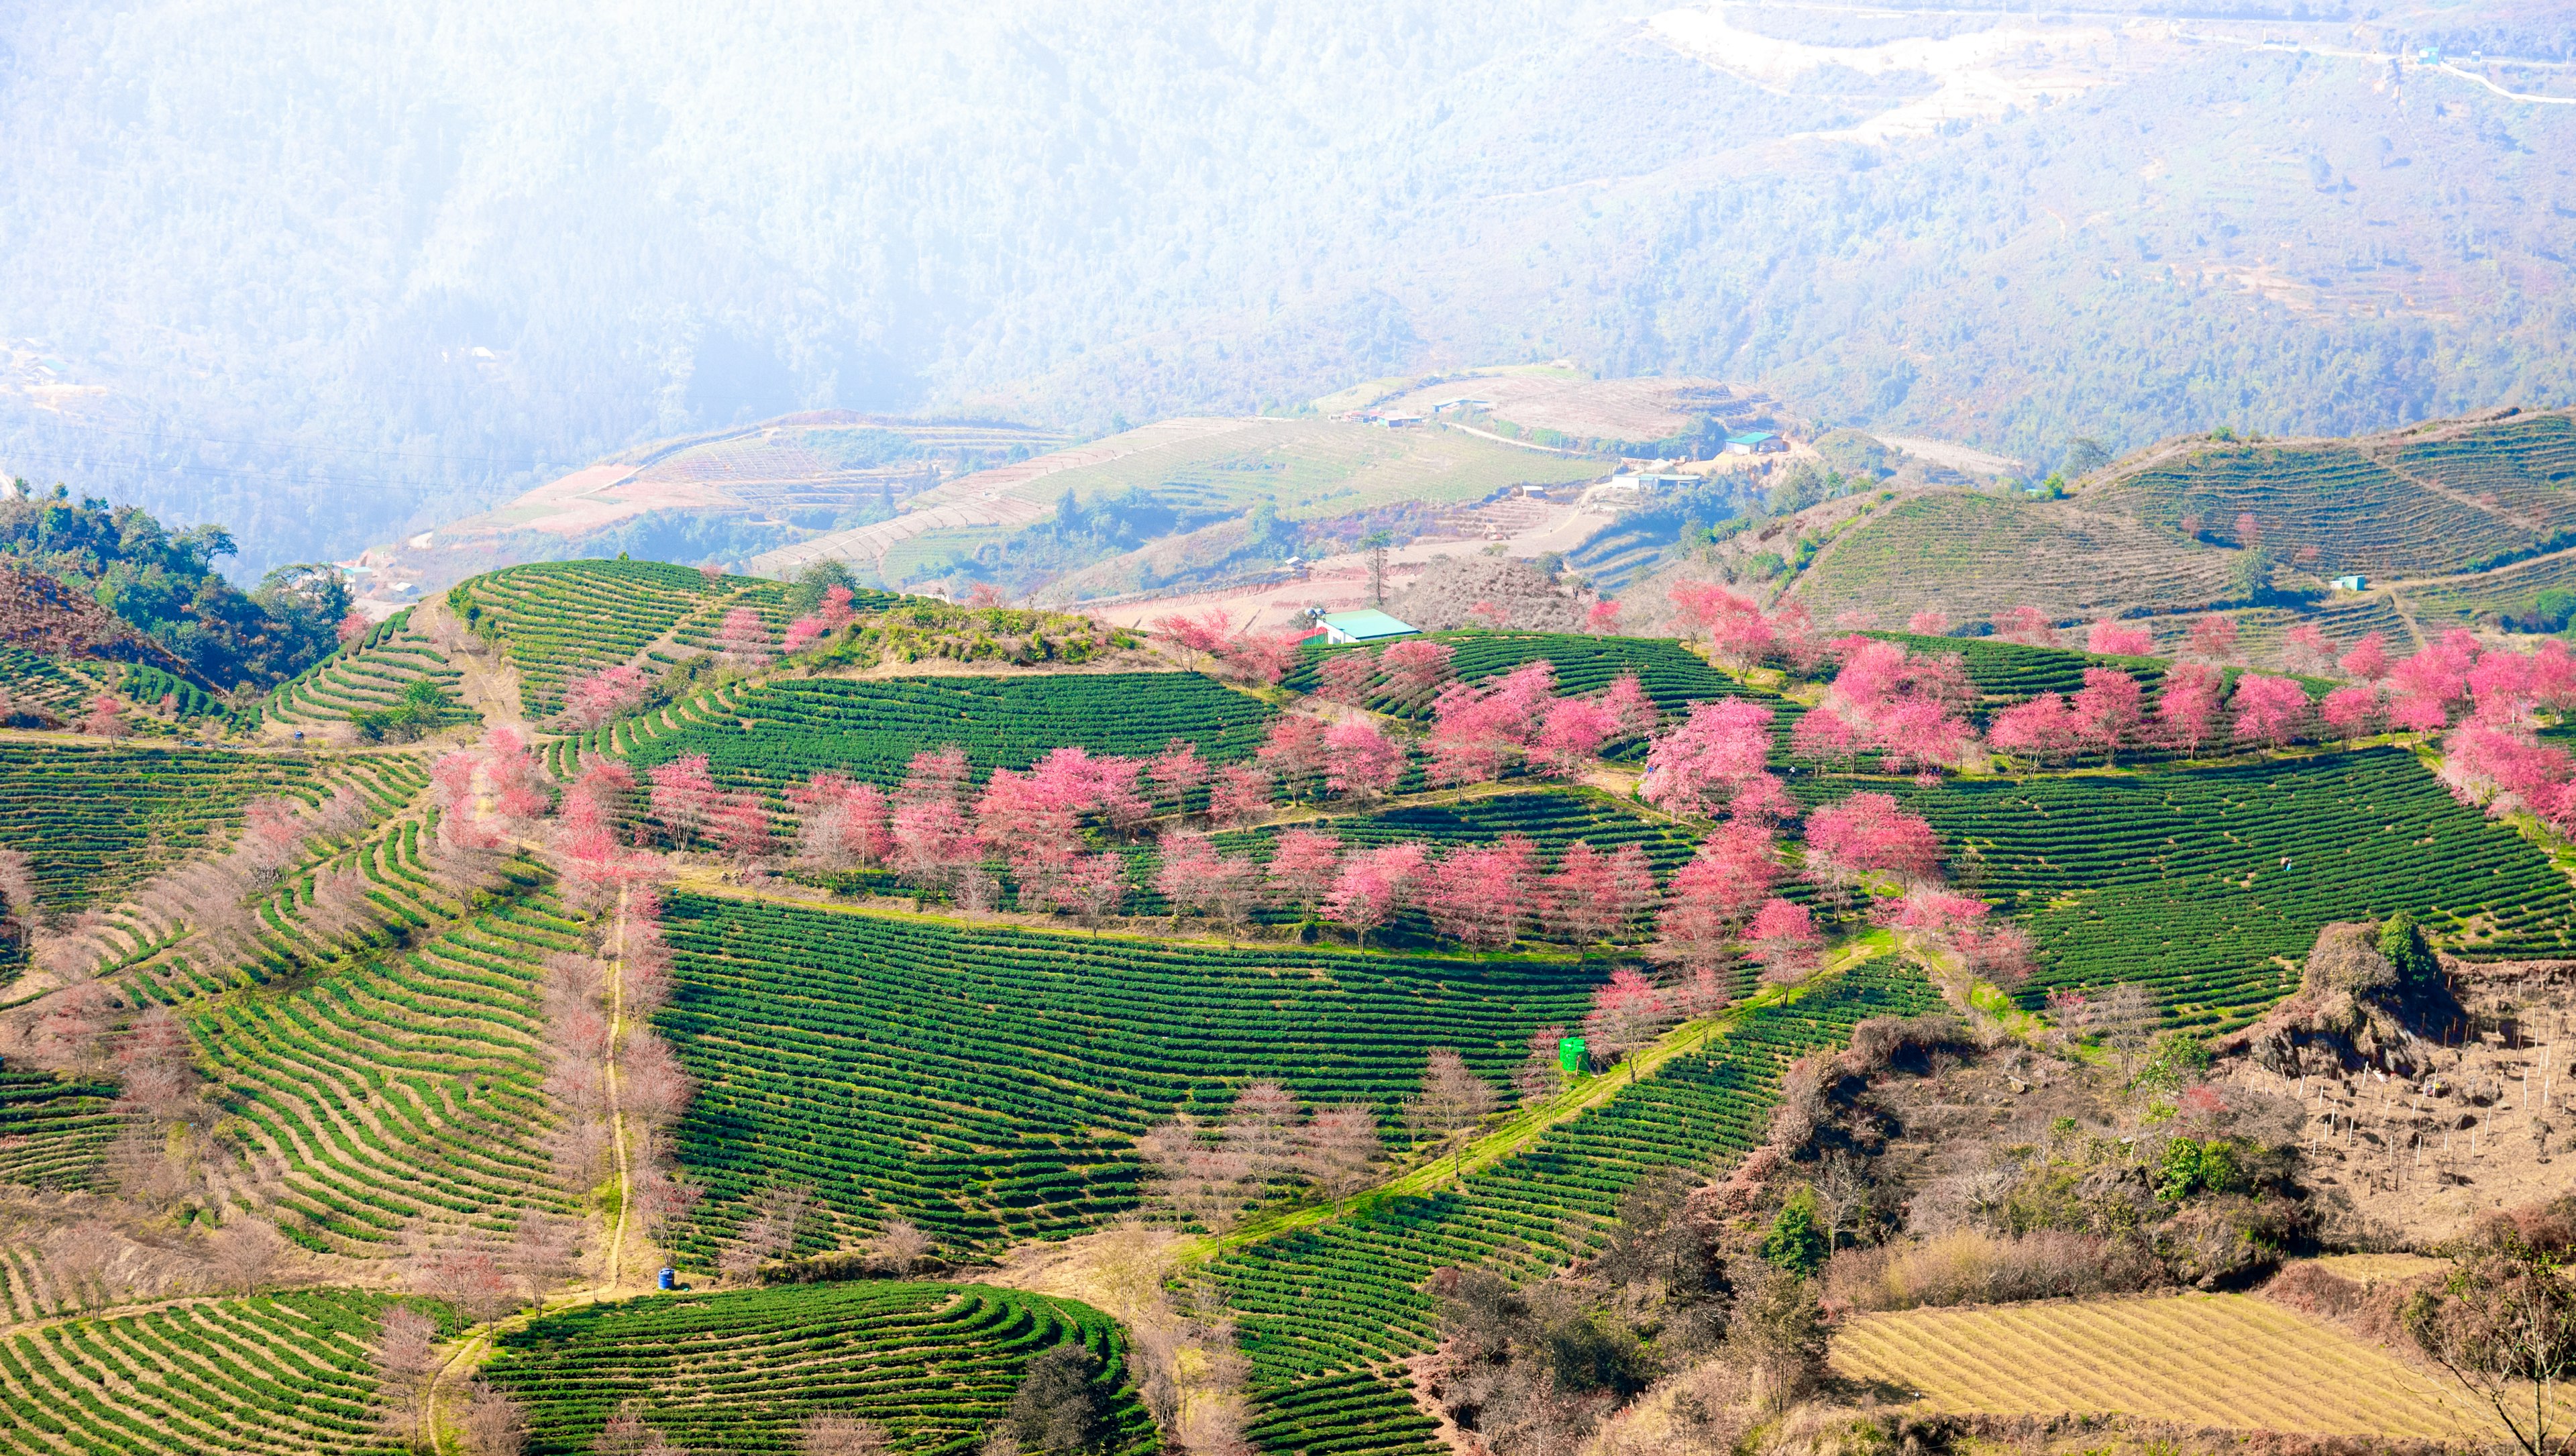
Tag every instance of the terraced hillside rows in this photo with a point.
(769, 736)
(2197, 882)
(397, 1091)
(987, 1084)
(1972, 555)
(555, 619)
(41, 685)
(285, 1374)
(1320, 1305)
(2353, 512)
(2012, 672)
(934, 1364)
(369, 676)
(92, 817)
(1672, 675)
(54, 1131)
(2524, 461)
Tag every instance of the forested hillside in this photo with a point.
(1979, 227)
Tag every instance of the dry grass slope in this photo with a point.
(1969, 555)
(2229, 1360)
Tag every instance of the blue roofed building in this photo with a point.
(1366, 625)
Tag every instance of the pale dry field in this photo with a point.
(2229, 1360)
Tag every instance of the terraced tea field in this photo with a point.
(2195, 881)
(770, 736)
(2233, 1361)
(283, 1373)
(368, 676)
(2355, 512)
(1970, 555)
(934, 1364)
(2012, 672)
(557, 619)
(987, 1083)
(53, 1131)
(1346, 1296)
(93, 818)
(396, 1091)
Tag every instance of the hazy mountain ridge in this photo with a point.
(673, 222)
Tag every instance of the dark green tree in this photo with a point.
(1796, 1240)
(1059, 1405)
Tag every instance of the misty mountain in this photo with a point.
(333, 272)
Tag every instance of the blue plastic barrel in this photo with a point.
(667, 1279)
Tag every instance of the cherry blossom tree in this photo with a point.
(1294, 752)
(1709, 898)
(1189, 872)
(603, 696)
(1347, 677)
(1783, 938)
(2249, 531)
(1359, 761)
(452, 785)
(2026, 625)
(740, 823)
(2270, 710)
(1602, 618)
(2109, 639)
(2368, 659)
(802, 633)
(2213, 638)
(1708, 759)
(2306, 651)
(1416, 668)
(1737, 632)
(2110, 710)
(744, 638)
(1929, 622)
(1242, 793)
(1303, 865)
(2502, 686)
(683, 792)
(1627, 1012)
(2351, 712)
(1482, 894)
(1373, 885)
(1632, 713)
(1260, 657)
(2187, 705)
(105, 718)
(2042, 730)
(935, 774)
(1825, 736)
(1198, 637)
(1571, 735)
(1177, 770)
(1908, 707)
(352, 627)
(1492, 616)
(1594, 896)
(836, 612)
(1870, 833)
(932, 843)
(840, 823)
